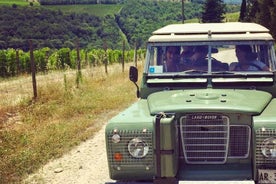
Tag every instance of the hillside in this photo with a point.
(55, 29)
(94, 26)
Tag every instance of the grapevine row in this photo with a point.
(15, 62)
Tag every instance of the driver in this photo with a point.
(247, 60)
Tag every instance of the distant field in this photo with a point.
(232, 17)
(100, 10)
(229, 17)
(95, 9)
(17, 2)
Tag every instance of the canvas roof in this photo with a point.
(210, 31)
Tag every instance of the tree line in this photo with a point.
(15, 61)
(138, 23)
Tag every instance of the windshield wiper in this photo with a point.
(193, 72)
(224, 72)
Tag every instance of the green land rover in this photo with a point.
(206, 108)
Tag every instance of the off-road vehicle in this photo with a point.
(212, 119)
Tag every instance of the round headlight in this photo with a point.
(269, 147)
(138, 148)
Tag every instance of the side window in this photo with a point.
(156, 59)
(263, 54)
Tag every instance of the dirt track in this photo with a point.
(85, 164)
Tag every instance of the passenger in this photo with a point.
(247, 60)
(199, 56)
(199, 60)
(171, 63)
(187, 52)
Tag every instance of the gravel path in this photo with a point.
(85, 164)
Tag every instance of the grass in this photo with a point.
(100, 10)
(32, 133)
(232, 17)
(17, 2)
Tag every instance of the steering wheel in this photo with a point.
(255, 66)
(239, 67)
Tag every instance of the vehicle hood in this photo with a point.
(209, 100)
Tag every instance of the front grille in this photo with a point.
(210, 139)
(122, 147)
(239, 141)
(261, 135)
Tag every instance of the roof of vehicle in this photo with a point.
(210, 32)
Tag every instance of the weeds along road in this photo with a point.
(12, 91)
(86, 163)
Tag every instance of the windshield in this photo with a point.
(210, 57)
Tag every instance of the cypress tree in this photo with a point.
(213, 11)
(264, 15)
(243, 11)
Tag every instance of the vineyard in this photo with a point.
(58, 2)
(14, 62)
(16, 2)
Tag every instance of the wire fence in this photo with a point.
(14, 90)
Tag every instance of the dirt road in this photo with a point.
(85, 164)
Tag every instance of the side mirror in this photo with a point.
(133, 76)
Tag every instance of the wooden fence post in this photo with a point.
(47, 55)
(78, 56)
(123, 59)
(105, 57)
(79, 75)
(33, 69)
(17, 62)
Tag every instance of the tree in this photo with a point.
(262, 12)
(273, 21)
(3, 63)
(243, 11)
(264, 15)
(252, 8)
(213, 11)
